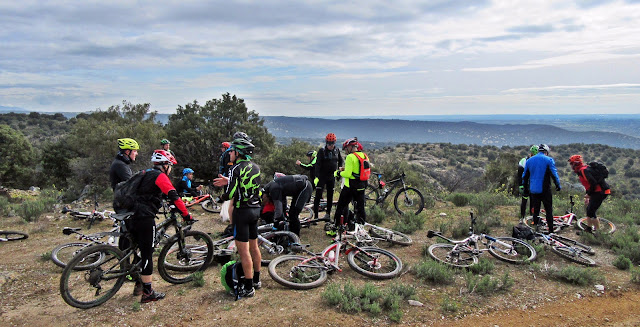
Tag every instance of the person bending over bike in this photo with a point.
(525, 192)
(353, 189)
(184, 188)
(538, 171)
(154, 185)
(311, 166)
(299, 188)
(327, 162)
(596, 192)
(243, 189)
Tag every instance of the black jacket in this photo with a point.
(327, 162)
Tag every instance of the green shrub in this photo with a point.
(622, 262)
(459, 199)
(461, 229)
(332, 294)
(449, 306)
(484, 202)
(484, 267)
(31, 209)
(595, 239)
(376, 215)
(198, 278)
(409, 223)
(539, 247)
(488, 285)
(435, 272)
(5, 206)
(627, 244)
(635, 275)
(577, 275)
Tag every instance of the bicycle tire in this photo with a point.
(306, 215)
(363, 264)
(9, 235)
(178, 268)
(411, 198)
(543, 228)
(442, 252)
(517, 253)
(63, 253)
(77, 285)
(390, 236)
(606, 226)
(283, 239)
(371, 195)
(570, 242)
(211, 206)
(296, 272)
(575, 256)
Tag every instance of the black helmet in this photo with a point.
(241, 135)
(243, 146)
(312, 153)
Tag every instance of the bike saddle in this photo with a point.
(431, 234)
(122, 216)
(70, 230)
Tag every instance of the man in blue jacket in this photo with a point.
(538, 171)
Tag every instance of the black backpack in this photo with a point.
(523, 232)
(125, 195)
(599, 171)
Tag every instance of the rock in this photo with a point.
(442, 214)
(416, 303)
(34, 189)
(600, 288)
(578, 295)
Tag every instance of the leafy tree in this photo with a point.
(283, 159)
(501, 173)
(16, 158)
(197, 131)
(55, 160)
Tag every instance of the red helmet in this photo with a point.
(360, 147)
(575, 159)
(226, 145)
(330, 137)
(162, 157)
(350, 141)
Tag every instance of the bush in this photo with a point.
(449, 306)
(435, 272)
(488, 285)
(622, 262)
(577, 275)
(376, 215)
(484, 267)
(459, 199)
(31, 209)
(198, 279)
(5, 206)
(635, 275)
(409, 223)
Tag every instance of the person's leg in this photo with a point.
(316, 201)
(330, 187)
(343, 202)
(595, 201)
(547, 200)
(523, 207)
(361, 214)
(294, 220)
(144, 232)
(535, 203)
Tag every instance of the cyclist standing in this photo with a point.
(165, 144)
(120, 170)
(243, 189)
(312, 156)
(538, 171)
(299, 188)
(328, 160)
(225, 165)
(184, 188)
(596, 192)
(525, 192)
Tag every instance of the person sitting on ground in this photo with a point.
(595, 192)
(299, 188)
(185, 187)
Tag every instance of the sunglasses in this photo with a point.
(331, 143)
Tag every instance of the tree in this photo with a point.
(282, 158)
(197, 131)
(501, 173)
(55, 161)
(16, 158)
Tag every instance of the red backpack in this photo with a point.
(365, 167)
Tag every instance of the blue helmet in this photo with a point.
(187, 171)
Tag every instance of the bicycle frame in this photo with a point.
(386, 191)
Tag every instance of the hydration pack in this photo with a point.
(522, 231)
(230, 275)
(125, 195)
(599, 171)
(365, 166)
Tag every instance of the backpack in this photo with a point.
(523, 232)
(365, 167)
(230, 275)
(599, 171)
(125, 195)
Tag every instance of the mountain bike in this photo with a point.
(271, 243)
(89, 287)
(406, 200)
(209, 204)
(306, 272)
(566, 220)
(63, 253)
(567, 248)
(464, 253)
(90, 216)
(9, 235)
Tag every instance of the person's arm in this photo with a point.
(348, 167)
(167, 189)
(232, 186)
(319, 163)
(554, 173)
(591, 180)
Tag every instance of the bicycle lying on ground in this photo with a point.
(63, 253)
(90, 216)
(567, 248)
(9, 235)
(302, 272)
(465, 253)
(271, 243)
(406, 200)
(566, 220)
(185, 253)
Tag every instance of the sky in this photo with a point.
(324, 58)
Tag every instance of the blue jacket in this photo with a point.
(538, 171)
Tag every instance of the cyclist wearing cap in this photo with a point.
(166, 144)
(328, 160)
(299, 188)
(243, 189)
(596, 192)
(525, 192)
(538, 172)
(184, 188)
(312, 156)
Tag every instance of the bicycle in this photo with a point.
(9, 235)
(407, 199)
(85, 288)
(271, 243)
(566, 220)
(302, 272)
(464, 253)
(90, 216)
(567, 248)
(209, 204)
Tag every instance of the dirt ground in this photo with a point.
(29, 293)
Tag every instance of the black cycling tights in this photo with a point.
(143, 231)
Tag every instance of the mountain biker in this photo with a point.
(154, 185)
(165, 144)
(184, 188)
(243, 189)
(533, 150)
(299, 188)
(595, 193)
(538, 172)
(225, 161)
(353, 189)
(328, 160)
(312, 156)
(120, 170)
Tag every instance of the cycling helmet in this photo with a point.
(312, 153)
(359, 147)
(241, 135)
(544, 147)
(330, 137)
(164, 141)
(278, 175)
(162, 157)
(575, 159)
(348, 142)
(226, 145)
(187, 171)
(128, 144)
(534, 150)
(243, 146)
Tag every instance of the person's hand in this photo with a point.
(558, 188)
(341, 168)
(199, 187)
(315, 181)
(586, 200)
(221, 180)
(188, 218)
(521, 189)
(298, 162)
(218, 200)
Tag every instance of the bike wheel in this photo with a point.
(282, 241)
(390, 235)
(371, 195)
(574, 255)
(63, 253)
(543, 228)
(606, 226)
(211, 206)
(90, 287)
(569, 242)
(177, 266)
(306, 214)
(444, 253)
(298, 272)
(409, 200)
(513, 251)
(375, 262)
(8, 235)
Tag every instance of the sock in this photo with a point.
(256, 276)
(146, 288)
(248, 283)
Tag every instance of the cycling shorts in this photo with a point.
(245, 224)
